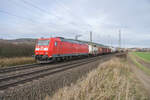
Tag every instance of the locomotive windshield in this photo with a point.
(43, 42)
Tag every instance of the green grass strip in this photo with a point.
(146, 61)
(145, 69)
(143, 55)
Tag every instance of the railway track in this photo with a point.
(16, 68)
(26, 76)
(27, 66)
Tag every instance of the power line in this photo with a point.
(67, 10)
(39, 8)
(24, 6)
(20, 17)
(33, 5)
(11, 14)
(42, 10)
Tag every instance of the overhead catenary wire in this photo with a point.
(20, 17)
(44, 11)
(14, 15)
(67, 9)
(38, 13)
(39, 9)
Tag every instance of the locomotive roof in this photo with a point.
(71, 40)
(87, 42)
(79, 41)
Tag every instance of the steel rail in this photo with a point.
(58, 69)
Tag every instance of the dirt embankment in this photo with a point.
(145, 79)
(141, 61)
(140, 74)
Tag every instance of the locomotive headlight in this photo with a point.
(45, 49)
(46, 53)
(37, 49)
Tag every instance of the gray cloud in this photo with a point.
(70, 17)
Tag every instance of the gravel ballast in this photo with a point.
(39, 89)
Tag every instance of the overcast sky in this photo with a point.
(67, 18)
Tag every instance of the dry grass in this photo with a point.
(4, 62)
(112, 80)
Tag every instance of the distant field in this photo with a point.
(144, 55)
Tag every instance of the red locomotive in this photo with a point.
(49, 49)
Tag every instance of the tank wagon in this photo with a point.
(93, 50)
(96, 49)
(58, 48)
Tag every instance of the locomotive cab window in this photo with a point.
(56, 43)
(43, 42)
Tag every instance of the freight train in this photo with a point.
(58, 48)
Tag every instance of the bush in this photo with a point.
(16, 50)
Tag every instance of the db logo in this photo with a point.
(42, 48)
